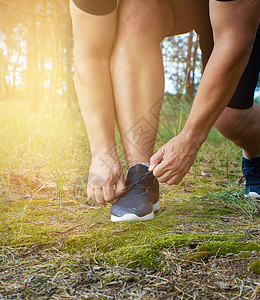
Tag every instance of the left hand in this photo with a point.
(174, 159)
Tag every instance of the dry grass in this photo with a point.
(37, 273)
(56, 244)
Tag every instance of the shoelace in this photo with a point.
(129, 187)
(250, 171)
(241, 180)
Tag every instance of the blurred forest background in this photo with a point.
(36, 50)
(43, 142)
(36, 58)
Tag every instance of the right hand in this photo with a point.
(174, 159)
(106, 179)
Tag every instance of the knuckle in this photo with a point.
(161, 180)
(173, 181)
(170, 182)
(108, 199)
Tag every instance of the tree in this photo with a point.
(183, 63)
(36, 49)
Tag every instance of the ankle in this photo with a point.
(147, 164)
(250, 155)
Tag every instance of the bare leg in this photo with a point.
(243, 128)
(93, 43)
(138, 75)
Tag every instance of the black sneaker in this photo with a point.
(251, 170)
(140, 198)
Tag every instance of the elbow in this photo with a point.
(245, 46)
(236, 50)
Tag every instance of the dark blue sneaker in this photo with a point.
(140, 198)
(251, 170)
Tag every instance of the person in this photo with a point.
(119, 77)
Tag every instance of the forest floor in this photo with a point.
(56, 244)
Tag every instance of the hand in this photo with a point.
(106, 179)
(174, 159)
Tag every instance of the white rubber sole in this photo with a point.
(252, 195)
(135, 218)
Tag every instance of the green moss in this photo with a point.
(255, 267)
(245, 254)
(217, 211)
(224, 247)
(27, 234)
(182, 221)
(196, 257)
(144, 252)
(135, 257)
(194, 208)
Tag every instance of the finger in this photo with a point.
(174, 180)
(165, 177)
(155, 160)
(90, 192)
(160, 169)
(99, 195)
(120, 185)
(109, 194)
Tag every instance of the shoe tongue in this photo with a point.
(138, 168)
(251, 165)
(135, 172)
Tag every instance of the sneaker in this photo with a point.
(251, 170)
(140, 198)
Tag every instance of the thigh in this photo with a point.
(93, 35)
(194, 15)
(189, 15)
(144, 19)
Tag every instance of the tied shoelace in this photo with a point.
(142, 178)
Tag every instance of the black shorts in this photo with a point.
(194, 14)
(96, 7)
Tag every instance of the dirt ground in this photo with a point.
(39, 273)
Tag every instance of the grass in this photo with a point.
(42, 153)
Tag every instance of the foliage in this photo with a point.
(36, 50)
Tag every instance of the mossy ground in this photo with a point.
(206, 221)
(205, 216)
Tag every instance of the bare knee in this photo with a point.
(233, 122)
(144, 20)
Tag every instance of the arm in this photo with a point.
(234, 26)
